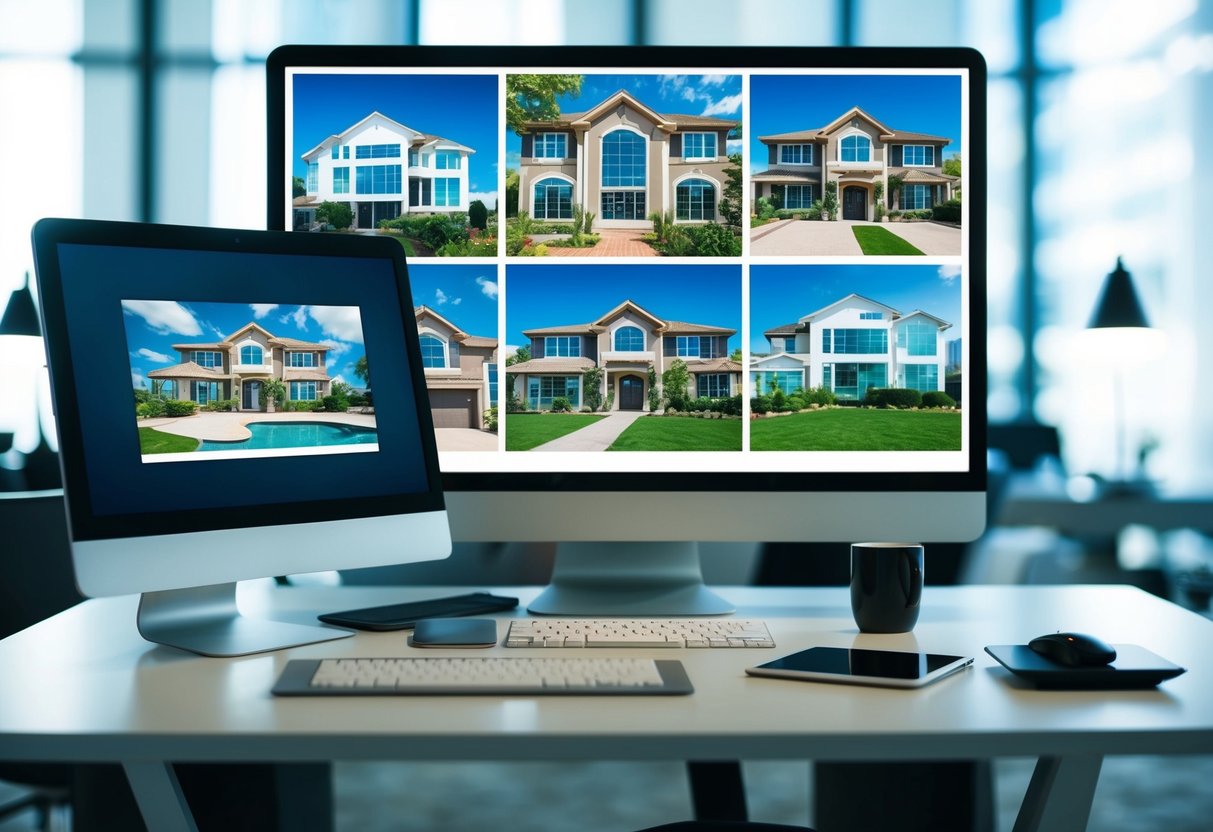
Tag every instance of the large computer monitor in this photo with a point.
(755, 277)
(209, 428)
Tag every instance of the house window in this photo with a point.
(712, 385)
(923, 377)
(918, 155)
(562, 346)
(871, 316)
(492, 369)
(377, 151)
(623, 162)
(915, 197)
(796, 154)
(304, 391)
(208, 359)
(313, 177)
(551, 146)
(798, 196)
(851, 381)
(918, 337)
(542, 389)
(623, 205)
(433, 352)
(446, 192)
(629, 339)
(341, 180)
(553, 200)
(301, 359)
(789, 343)
(825, 340)
(861, 341)
(447, 160)
(695, 199)
(414, 159)
(377, 179)
(251, 354)
(345, 152)
(205, 391)
(786, 380)
(688, 346)
(698, 146)
(855, 149)
(336, 151)
(420, 191)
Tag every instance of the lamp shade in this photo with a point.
(1118, 305)
(20, 317)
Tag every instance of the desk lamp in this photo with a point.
(21, 356)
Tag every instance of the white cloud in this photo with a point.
(341, 322)
(688, 94)
(456, 301)
(299, 316)
(728, 105)
(164, 316)
(158, 357)
(487, 287)
(489, 198)
(260, 310)
(712, 80)
(949, 273)
(339, 378)
(733, 145)
(439, 297)
(137, 379)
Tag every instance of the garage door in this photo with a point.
(454, 408)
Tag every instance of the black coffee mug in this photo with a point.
(886, 586)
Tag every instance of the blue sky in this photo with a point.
(466, 295)
(913, 103)
(783, 294)
(153, 326)
(543, 296)
(718, 96)
(462, 108)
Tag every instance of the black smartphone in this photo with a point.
(404, 616)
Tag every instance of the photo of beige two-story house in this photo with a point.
(460, 371)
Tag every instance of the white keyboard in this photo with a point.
(638, 632)
(481, 675)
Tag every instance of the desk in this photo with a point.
(83, 686)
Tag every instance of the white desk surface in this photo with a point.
(83, 686)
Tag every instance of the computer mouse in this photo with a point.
(1073, 649)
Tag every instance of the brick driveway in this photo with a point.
(615, 242)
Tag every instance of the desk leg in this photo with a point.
(1060, 795)
(159, 795)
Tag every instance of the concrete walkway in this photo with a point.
(596, 437)
(465, 439)
(808, 237)
(928, 237)
(615, 242)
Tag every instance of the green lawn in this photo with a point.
(857, 429)
(676, 433)
(876, 240)
(152, 441)
(524, 431)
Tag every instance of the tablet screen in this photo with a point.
(881, 664)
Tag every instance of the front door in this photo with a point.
(365, 219)
(631, 393)
(250, 396)
(854, 203)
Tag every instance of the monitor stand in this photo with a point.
(206, 620)
(628, 579)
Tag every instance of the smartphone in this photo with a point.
(884, 668)
(404, 616)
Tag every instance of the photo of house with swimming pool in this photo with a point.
(240, 380)
(623, 358)
(855, 358)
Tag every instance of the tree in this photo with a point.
(895, 183)
(952, 166)
(273, 393)
(675, 382)
(363, 371)
(511, 192)
(654, 393)
(730, 201)
(337, 214)
(591, 384)
(533, 98)
(735, 355)
(478, 215)
(298, 186)
(520, 355)
(829, 203)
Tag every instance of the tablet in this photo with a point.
(884, 668)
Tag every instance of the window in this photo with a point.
(301, 359)
(796, 154)
(924, 377)
(629, 339)
(855, 149)
(304, 391)
(420, 191)
(377, 179)
(313, 177)
(919, 155)
(341, 180)
(447, 160)
(699, 146)
(851, 381)
(798, 196)
(492, 368)
(551, 146)
(825, 340)
(789, 343)
(712, 385)
(623, 205)
(562, 346)
(414, 158)
(377, 151)
(695, 199)
(861, 341)
(623, 162)
(205, 391)
(871, 316)
(786, 380)
(915, 197)
(688, 346)
(446, 192)
(345, 152)
(542, 389)
(918, 337)
(208, 359)
(553, 200)
(251, 354)
(433, 351)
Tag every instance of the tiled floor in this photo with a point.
(614, 243)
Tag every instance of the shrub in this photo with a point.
(779, 400)
(180, 407)
(478, 215)
(337, 214)
(732, 405)
(438, 230)
(820, 395)
(947, 211)
(489, 418)
(796, 403)
(937, 398)
(764, 208)
(714, 240)
(760, 404)
(335, 404)
(829, 202)
(483, 247)
(357, 400)
(150, 409)
(561, 404)
(893, 397)
(894, 215)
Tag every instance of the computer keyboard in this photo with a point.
(487, 675)
(638, 632)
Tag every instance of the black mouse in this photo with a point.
(1073, 649)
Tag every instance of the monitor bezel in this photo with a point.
(775, 58)
(84, 522)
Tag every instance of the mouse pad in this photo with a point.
(1135, 667)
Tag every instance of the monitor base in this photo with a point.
(628, 579)
(206, 620)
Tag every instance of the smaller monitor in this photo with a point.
(216, 422)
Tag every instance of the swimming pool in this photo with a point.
(296, 435)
